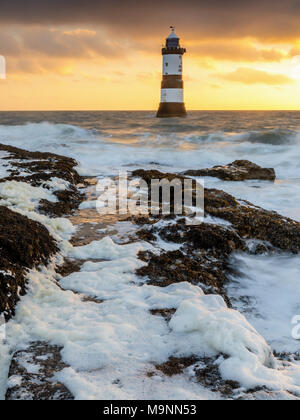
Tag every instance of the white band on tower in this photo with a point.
(172, 95)
(172, 64)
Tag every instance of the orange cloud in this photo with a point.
(236, 51)
(250, 76)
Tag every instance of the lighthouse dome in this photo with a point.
(172, 34)
(173, 39)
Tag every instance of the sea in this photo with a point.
(267, 288)
(105, 143)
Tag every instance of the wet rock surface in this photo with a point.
(31, 374)
(40, 167)
(202, 260)
(254, 222)
(176, 267)
(203, 370)
(202, 257)
(24, 244)
(247, 220)
(36, 168)
(239, 170)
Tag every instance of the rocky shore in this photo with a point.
(197, 254)
(239, 170)
(204, 255)
(25, 243)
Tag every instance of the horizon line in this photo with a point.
(148, 110)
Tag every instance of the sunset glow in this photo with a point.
(108, 57)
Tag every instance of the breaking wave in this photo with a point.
(34, 135)
(274, 137)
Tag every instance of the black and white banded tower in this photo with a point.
(172, 103)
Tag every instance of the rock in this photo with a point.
(31, 374)
(206, 269)
(240, 170)
(149, 175)
(248, 220)
(252, 222)
(203, 258)
(40, 167)
(36, 168)
(202, 369)
(24, 244)
(204, 236)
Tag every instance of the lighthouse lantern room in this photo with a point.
(172, 102)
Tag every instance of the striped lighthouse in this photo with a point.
(172, 102)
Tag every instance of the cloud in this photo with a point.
(9, 45)
(250, 76)
(218, 30)
(274, 19)
(54, 42)
(36, 66)
(236, 51)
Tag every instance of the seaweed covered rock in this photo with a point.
(201, 269)
(252, 222)
(149, 175)
(249, 221)
(203, 258)
(239, 170)
(204, 236)
(38, 168)
(31, 374)
(24, 244)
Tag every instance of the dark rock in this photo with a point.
(34, 369)
(176, 365)
(165, 313)
(42, 167)
(203, 258)
(240, 170)
(253, 222)
(205, 371)
(198, 268)
(149, 175)
(204, 237)
(24, 244)
(249, 221)
(69, 267)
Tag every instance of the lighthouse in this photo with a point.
(172, 102)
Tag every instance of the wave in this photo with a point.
(275, 137)
(42, 130)
(98, 146)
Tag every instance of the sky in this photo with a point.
(104, 55)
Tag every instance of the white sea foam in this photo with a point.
(267, 290)
(22, 195)
(24, 198)
(4, 165)
(110, 347)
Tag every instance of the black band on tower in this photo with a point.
(172, 82)
(171, 109)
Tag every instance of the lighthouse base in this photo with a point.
(171, 109)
